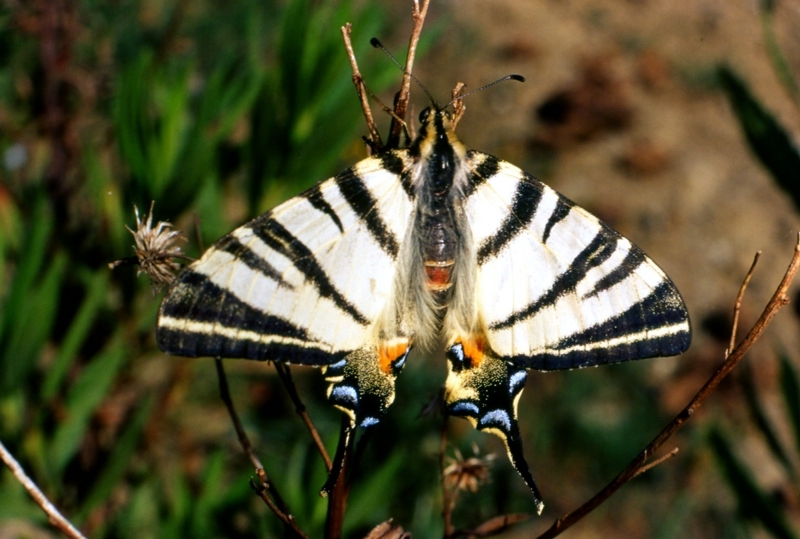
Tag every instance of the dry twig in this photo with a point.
(53, 514)
(375, 142)
(447, 503)
(418, 13)
(737, 307)
(339, 491)
(458, 104)
(264, 485)
(286, 377)
(778, 301)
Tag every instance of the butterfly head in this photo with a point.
(436, 134)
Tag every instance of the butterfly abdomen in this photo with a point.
(439, 242)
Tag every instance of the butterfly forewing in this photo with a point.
(303, 283)
(558, 288)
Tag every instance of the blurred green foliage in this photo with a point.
(222, 110)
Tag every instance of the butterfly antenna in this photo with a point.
(515, 77)
(378, 45)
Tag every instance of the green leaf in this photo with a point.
(202, 524)
(31, 324)
(766, 137)
(362, 511)
(15, 502)
(307, 110)
(84, 397)
(119, 460)
(140, 518)
(37, 234)
(96, 289)
(754, 503)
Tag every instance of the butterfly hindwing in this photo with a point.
(557, 288)
(485, 390)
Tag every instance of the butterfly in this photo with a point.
(430, 247)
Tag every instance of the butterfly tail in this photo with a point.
(485, 389)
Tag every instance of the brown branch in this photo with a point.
(264, 485)
(656, 462)
(737, 307)
(778, 300)
(448, 503)
(493, 526)
(262, 489)
(286, 377)
(401, 104)
(338, 493)
(375, 142)
(225, 395)
(458, 104)
(53, 515)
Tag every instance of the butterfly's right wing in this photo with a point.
(556, 289)
(305, 283)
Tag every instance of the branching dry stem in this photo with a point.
(264, 486)
(778, 301)
(419, 12)
(738, 305)
(285, 375)
(651, 465)
(375, 142)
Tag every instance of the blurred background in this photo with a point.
(674, 122)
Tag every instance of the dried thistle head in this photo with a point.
(155, 249)
(467, 474)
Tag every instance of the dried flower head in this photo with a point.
(155, 249)
(467, 474)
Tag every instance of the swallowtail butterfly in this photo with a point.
(427, 247)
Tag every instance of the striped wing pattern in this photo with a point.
(558, 288)
(302, 283)
(322, 280)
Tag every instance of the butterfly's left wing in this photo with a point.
(556, 289)
(306, 283)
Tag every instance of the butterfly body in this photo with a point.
(433, 246)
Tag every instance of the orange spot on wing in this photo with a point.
(388, 354)
(473, 349)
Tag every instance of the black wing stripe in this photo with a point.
(485, 170)
(563, 207)
(600, 248)
(632, 260)
(224, 320)
(636, 331)
(359, 198)
(315, 198)
(526, 200)
(393, 162)
(282, 241)
(212, 303)
(662, 308)
(231, 245)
